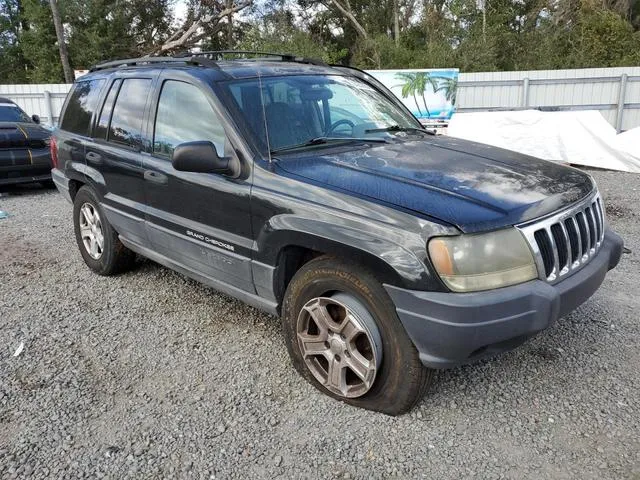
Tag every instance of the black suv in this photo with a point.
(310, 192)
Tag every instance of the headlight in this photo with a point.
(468, 263)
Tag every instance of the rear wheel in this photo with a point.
(98, 242)
(345, 338)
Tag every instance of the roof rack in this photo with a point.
(205, 59)
(285, 57)
(190, 59)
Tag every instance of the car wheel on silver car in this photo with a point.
(345, 338)
(98, 242)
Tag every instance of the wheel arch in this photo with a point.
(74, 186)
(287, 249)
(292, 256)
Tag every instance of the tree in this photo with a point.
(276, 32)
(414, 34)
(345, 8)
(109, 29)
(206, 19)
(38, 44)
(12, 62)
(62, 46)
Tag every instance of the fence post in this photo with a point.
(48, 107)
(525, 92)
(621, 97)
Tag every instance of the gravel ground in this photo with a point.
(150, 374)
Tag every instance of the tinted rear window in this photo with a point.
(126, 121)
(82, 103)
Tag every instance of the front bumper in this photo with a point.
(450, 329)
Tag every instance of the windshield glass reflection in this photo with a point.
(294, 110)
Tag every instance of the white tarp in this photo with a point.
(579, 137)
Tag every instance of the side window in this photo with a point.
(185, 115)
(128, 112)
(105, 114)
(82, 103)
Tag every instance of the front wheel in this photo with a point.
(345, 338)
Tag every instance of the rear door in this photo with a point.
(75, 126)
(113, 156)
(198, 220)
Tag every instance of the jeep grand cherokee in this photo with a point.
(309, 191)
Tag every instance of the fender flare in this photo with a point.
(394, 258)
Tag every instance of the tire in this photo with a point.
(112, 257)
(400, 380)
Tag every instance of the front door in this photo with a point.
(200, 221)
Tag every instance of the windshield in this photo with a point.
(298, 109)
(11, 113)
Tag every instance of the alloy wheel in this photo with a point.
(91, 230)
(340, 343)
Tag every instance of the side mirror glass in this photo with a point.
(201, 157)
(35, 118)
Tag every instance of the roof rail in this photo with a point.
(285, 57)
(192, 59)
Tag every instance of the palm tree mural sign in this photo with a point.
(429, 93)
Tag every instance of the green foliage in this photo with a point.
(282, 37)
(508, 35)
(11, 59)
(39, 45)
(603, 39)
(109, 29)
(95, 30)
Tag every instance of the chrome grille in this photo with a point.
(565, 242)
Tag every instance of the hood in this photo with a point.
(22, 135)
(470, 185)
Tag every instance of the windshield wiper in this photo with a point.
(398, 128)
(326, 140)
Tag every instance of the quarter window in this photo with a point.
(128, 112)
(105, 114)
(82, 103)
(185, 115)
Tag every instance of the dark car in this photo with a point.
(309, 191)
(24, 146)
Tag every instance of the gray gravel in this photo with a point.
(150, 374)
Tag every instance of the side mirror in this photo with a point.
(35, 118)
(200, 157)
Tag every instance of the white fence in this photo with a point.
(45, 100)
(615, 92)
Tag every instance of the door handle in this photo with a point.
(93, 157)
(155, 177)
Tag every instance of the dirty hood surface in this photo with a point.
(470, 185)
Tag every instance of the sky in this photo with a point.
(179, 10)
